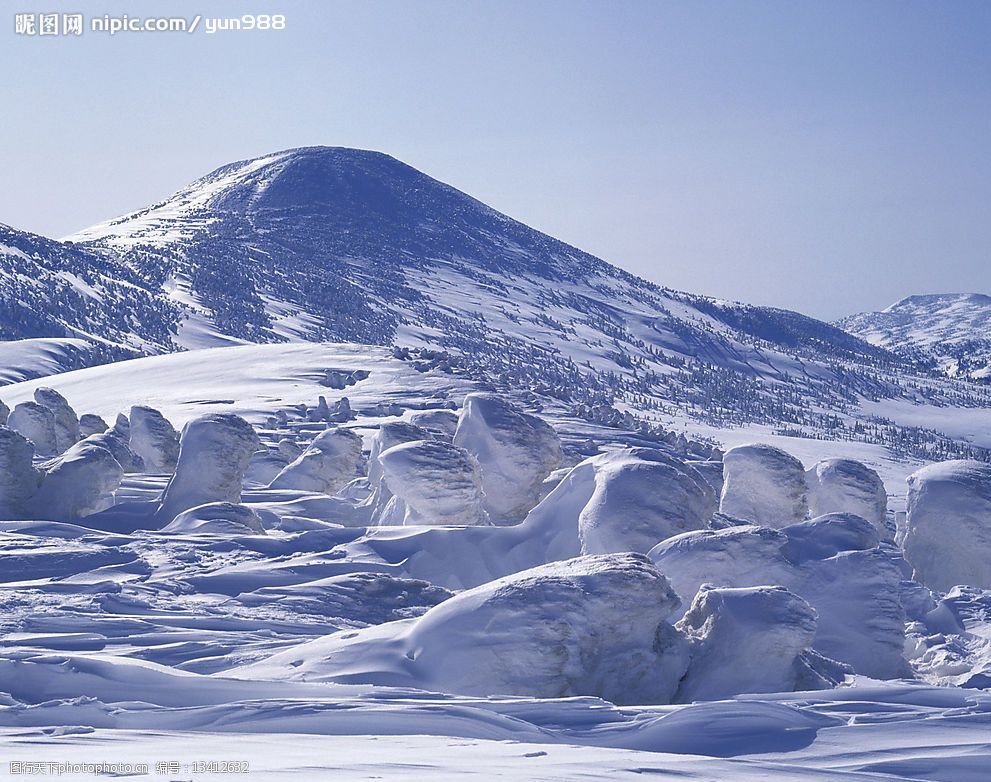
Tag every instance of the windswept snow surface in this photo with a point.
(284, 631)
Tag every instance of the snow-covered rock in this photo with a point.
(763, 485)
(516, 452)
(431, 482)
(19, 479)
(832, 562)
(66, 422)
(216, 518)
(331, 461)
(77, 483)
(37, 423)
(627, 500)
(750, 639)
(587, 626)
(90, 423)
(948, 526)
(214, 451)
(848, 486)
(153, 439)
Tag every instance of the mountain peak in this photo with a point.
(934, 301)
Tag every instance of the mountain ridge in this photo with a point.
(947, 329)
(332, 244)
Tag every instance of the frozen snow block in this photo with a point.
(36, 423)
(515, 450)
(746, 640)
(19, 480)
(763, 485)
(66, 422)
(330, 462)
(828, 535)
(153, 439)
(948, 526)
(214, 452)
(848, 486)
(77, 483)
(431, 482)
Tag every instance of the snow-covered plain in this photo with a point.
(287, 628)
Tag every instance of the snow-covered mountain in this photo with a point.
(94, 307)
(334, 244)
(951, 328)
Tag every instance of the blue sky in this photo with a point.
(828, 157)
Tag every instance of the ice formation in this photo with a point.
(66, 422)
(431, 482)
(763, 485)
(848, 486)
(948, 526)
(515, 450)
(37, 423)
(214, 451)
(19, 479)
(153, 439)
(330, 461)
(832, 562)
(587, 626)
(77, 483)
(749, 639)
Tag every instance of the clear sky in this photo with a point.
(823, 156)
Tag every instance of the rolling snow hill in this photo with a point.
(951, 328)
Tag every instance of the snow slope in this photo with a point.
(150, 644)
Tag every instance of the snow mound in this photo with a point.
(77, 483)
(217, 518)
(516, 451)
(431, 482)
(66, 422)
(848, 486)
(855, 590)
(153, 439)
(948, 534)
(214, 452)
(764, 485)
(587, 626)
(37, 423)
(752, 639)
(628, 500)
(331, 461)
